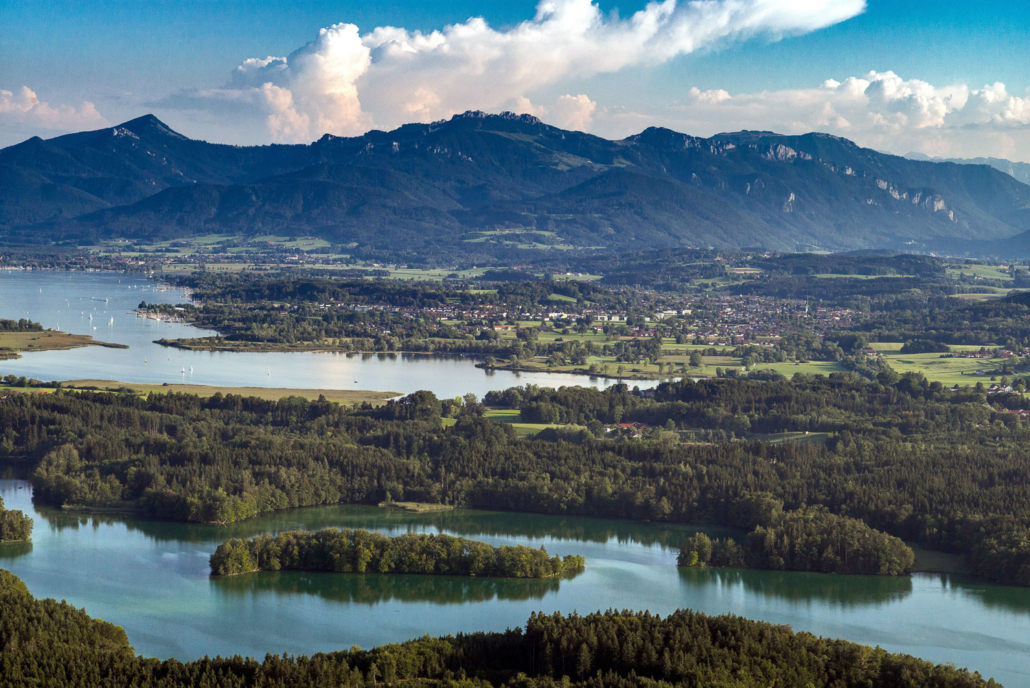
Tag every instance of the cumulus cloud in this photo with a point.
(344, 82)
(574, 112)
(23, 109)
(567, 112)
(879, 109)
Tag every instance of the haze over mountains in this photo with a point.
(1019, 170)
(482, 183)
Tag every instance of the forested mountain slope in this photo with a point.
(479, 181)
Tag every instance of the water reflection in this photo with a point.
(153, 579)
(372, 589)
(13, 550)
(844, 592)
(464, 522)
(1009, 598)
(641, 543)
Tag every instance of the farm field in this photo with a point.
(948, 371)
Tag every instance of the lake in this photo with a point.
(151, 577)
(65, 300)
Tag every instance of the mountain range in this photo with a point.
(1017, 170)
(480, 184)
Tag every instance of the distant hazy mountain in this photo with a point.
(1019, 170)
(480, 183)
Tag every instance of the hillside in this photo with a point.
(1019, 170)
(488, 183)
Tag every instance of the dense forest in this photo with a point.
(362, 551)
(904, 456)
(809, 539)
(49, 643)
(15, 526)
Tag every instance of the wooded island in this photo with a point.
(363, 551)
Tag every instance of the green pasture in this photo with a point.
(948, 371)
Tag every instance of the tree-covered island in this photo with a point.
(363, 551)
(15, 526)
(809, 539)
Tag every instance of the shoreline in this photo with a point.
(482, 365)
(14, 344)
(342, 396)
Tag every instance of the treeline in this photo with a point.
(20, 325)
(53, 644)
(888, 405)
(363, 551)
(906, 457)
(901, 265)
(810, 539)
(999, 322)
(15, 526)
(300, 287)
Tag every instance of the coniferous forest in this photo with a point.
(809, 539)
(362, 551)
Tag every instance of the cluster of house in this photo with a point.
(737, 320)
(636, 428)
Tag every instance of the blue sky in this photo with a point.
(947, 78)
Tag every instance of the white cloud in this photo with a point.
(344, 83)
(574, 112)
(568, 111)
(23, 108)
(880, 110)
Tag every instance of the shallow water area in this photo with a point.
(100, 304)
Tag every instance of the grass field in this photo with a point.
(995, 293)
(834, 275)
(44, 341)
(808, 368)
(349, 397)
(948, 371)
(513, 417)
(781, 437)
(981, 271)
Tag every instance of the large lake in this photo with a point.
(151, 577)
(66, 300)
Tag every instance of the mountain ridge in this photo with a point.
(1020, 171)
(486, 183)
